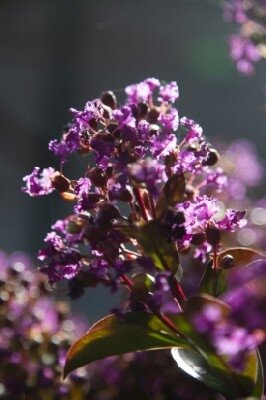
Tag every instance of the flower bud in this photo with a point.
(68, 196)
(153, 115)
(198, 239)
(97, 177)
(108, 98)
(212, 158)
(107, 112)
(213, 235)
(227, 261)
(60, 182)
(142, 110)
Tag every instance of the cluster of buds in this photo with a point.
(248, 45)
(35, 334)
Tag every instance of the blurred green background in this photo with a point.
(55, 54)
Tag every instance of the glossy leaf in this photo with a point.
(113, 336)
(241, 256)
(258, 389)
(152, 237)
(203, 363)
(172, 193)
(194, 364)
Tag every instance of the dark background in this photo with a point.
(55, 54)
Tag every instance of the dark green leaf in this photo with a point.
(113, 336)
(172, 193)
(241, 256)
(194, 364)
(214, 369)
(258, 389)
(152, 237)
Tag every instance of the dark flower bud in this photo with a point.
(227, 261)
(213, 235)
(153, 115)
(60, 182)
(125, 196)
(154, 129)
(106, 213)
(212, 158)
(109, 211)
(108, 98)
(97, 177)
(170, 159)
(139, 110)
(198, 239)
(142, 110)
(107, 112)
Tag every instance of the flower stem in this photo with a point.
(139, 198)
(177, 291)
(215, 273)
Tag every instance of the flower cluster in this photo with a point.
(152, 197)
(248, 45)
(35, 335)
(145, 164)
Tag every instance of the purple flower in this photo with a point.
(141, 91)
(234, 11)
(39, 183)
(60, 260)
(168, 92)
(217, 178)
(162, 144)
(206, 320)
(149, 173)
(169, 121)
(245, 53)
(198, 213)
(232, 220)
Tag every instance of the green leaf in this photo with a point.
(241, 256)
(211, 368)
(152, 237)
(113, 336)
(194, 364)
(258, 389)
(172, 193)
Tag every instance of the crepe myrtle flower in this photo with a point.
(149, 173)
(134, 152)
(39, 183)
(63, 261)
(168, 92)
(141, 91)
